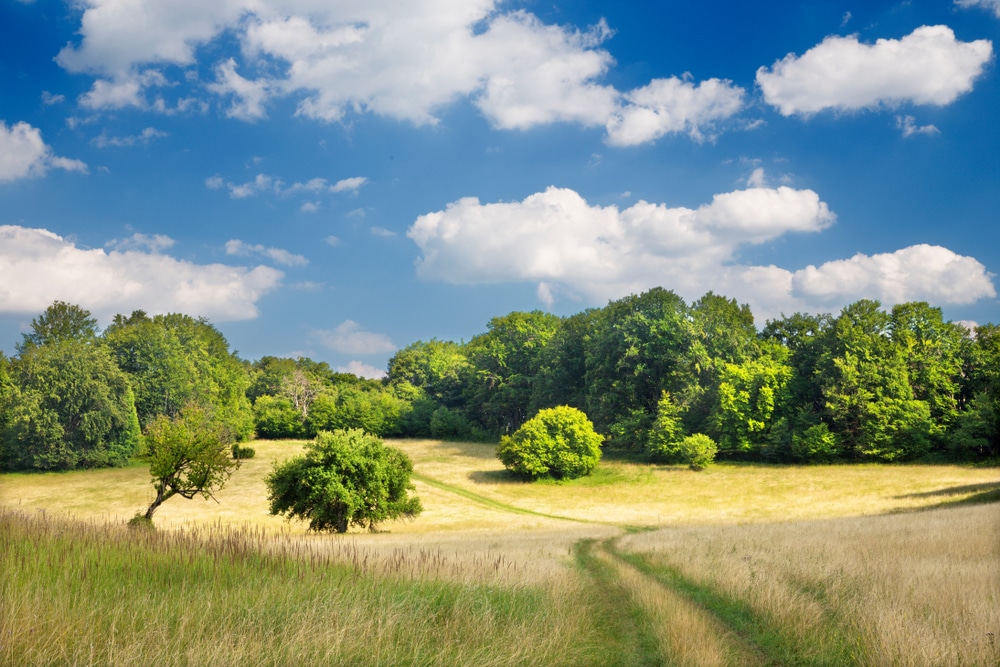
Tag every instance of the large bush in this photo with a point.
(347, 477)
(558, 442)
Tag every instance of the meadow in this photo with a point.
(635, 565)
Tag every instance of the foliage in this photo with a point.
(667, 432)
(347, 477)
(815, 444)
(243, 452)
(188, 455)
(559, 442)
(748, 395)
(67, 406)
(61, 322)
(276, 417)
(506, 360)
(439, 368)
(173, 360)
(697, 450)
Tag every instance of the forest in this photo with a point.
(867, 384)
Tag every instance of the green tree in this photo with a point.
(60, 322)
(346, 477)
(639, 347)
(869, 399)
(505, 362)
(67, 406)
(748, 397)
(439, 368)
(189, 455)
(173, 360)
(558, 442)
(277, 417)
(667, 432)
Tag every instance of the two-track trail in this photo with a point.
(655, 620)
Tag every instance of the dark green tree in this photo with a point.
(67, 406)
(506, 360)
(346, 477)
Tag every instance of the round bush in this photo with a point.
(698, 450)
(557, 442)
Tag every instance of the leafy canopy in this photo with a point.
(346, 477)
(558, 442)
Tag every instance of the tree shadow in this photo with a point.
(497, 477)
(977, 489)
(981, 494)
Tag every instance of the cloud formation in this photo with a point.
(362, 370)
(989, 5)
(401, 60)
(928, 66)
(44, 267)
(23, 154)
(569, 247)
(241, 249)
(350, 338)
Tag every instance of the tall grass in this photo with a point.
(99, 594)
(915, 589)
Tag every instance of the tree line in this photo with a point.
(650, 370)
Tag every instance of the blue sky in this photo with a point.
(339, 179)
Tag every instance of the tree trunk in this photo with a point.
(161, 495)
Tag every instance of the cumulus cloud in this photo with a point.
(559, 241)
(23, 154)
(928, 66)
(990, 5)
(920, 272)
(239, 248)
(362, 370)
(352, 184)
(671, 105)
(150, 242)
(38, 267)
(350, 338)
(402, 60)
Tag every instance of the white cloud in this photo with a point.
(143, 138)
(668, 106)
(383, 232)
(349, 338)
(362, 370)
(562, 243)
(239, 248)
(332, 241)
(402, 60)
(38, 267)
(928, 66)
(349, 184)
(908, 125)
(990, 5)
(250, 95)
(309, 207)
(49, 99)
(920, 272)
(153, 243)
(23, 154)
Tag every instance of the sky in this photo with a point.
(339, 179)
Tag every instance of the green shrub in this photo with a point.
(698, 450)
(276, 417)
(815, 444)
(243, 452)
(666, 434)
(558, 442)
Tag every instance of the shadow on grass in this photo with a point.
(497, 477)
(981, 494)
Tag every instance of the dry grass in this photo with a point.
(812, 553)
(917, 589)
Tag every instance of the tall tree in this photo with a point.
(60, 322)
(505, 360)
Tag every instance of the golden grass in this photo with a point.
(920, 588)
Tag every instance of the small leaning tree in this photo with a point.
(347, 477)
(189, 456)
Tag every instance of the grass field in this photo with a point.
(636, 565)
